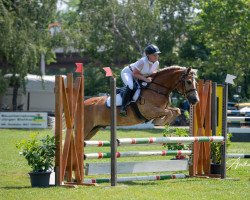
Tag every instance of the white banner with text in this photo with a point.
(23, 120)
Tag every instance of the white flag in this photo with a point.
(230, 79)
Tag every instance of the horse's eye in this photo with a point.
(189, 82)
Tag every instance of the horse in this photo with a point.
(153, 103)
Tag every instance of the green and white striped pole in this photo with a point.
(96, 143)
(137, 178)
(101, 155)
(167, 140)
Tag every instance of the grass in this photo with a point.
(14, 180)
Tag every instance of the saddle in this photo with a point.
(138, 85)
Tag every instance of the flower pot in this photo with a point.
(39, 179)
(181, 157)
(215, 168)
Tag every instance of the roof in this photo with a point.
(38, 83)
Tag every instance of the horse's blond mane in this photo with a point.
(173, 67)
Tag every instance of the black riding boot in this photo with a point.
(125, 100)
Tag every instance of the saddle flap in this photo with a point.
(119, 97)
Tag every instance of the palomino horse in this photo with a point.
(153, 102)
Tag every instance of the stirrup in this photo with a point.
(123, 113)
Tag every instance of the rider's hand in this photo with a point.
(148, 79)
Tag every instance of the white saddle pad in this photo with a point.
(119, 98)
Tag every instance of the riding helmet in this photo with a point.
(151, 49)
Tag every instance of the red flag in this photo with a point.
(108, 71)
(79, 67)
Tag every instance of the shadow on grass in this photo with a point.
(15, 187)
(138, 183)
(23, 187)
(170, 181)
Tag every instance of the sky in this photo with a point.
(61, 5)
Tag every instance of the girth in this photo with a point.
(137, 112)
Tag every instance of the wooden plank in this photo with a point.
(70, 100)
(77, 168)
(58, 131)
(69, 94)
(66, 150)
(137, 167)
(200, 124)
(66, 107)
(79, 125)
(192, 168)
(82, 125)
(208, 128)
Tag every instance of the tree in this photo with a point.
(211, 36)
(176, 16)
(110, 33)
(121, 29)
(223, 27)
(24, 36)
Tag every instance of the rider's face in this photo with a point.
(153, 57)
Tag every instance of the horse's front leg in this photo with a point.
(169, 115)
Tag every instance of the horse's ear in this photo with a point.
(188, 70)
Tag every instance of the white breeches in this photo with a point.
(127, 77)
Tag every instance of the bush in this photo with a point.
(176, 132)
(216, 149)
(40, 154)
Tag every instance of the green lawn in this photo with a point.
(14, 180)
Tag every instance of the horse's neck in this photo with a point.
(168, 79)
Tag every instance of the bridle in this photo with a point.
(181, 81)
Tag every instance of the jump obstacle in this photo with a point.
(238, 112)
(239, 126)
(237, 155)
(70, 157)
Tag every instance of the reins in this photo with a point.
(181, 80)
(158, 91)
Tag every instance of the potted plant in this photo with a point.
(177, 132)
(40, 154)
(216, 155)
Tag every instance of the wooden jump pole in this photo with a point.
(214, 108)
(204, 121)
(69, 157)
(201, 126)
(58, 131)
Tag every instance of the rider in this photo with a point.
(141, 69)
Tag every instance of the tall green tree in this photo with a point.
(24, 36)
(176, 16)
(223, 27)
(121, 29)
(110, 33)
(212, 35)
